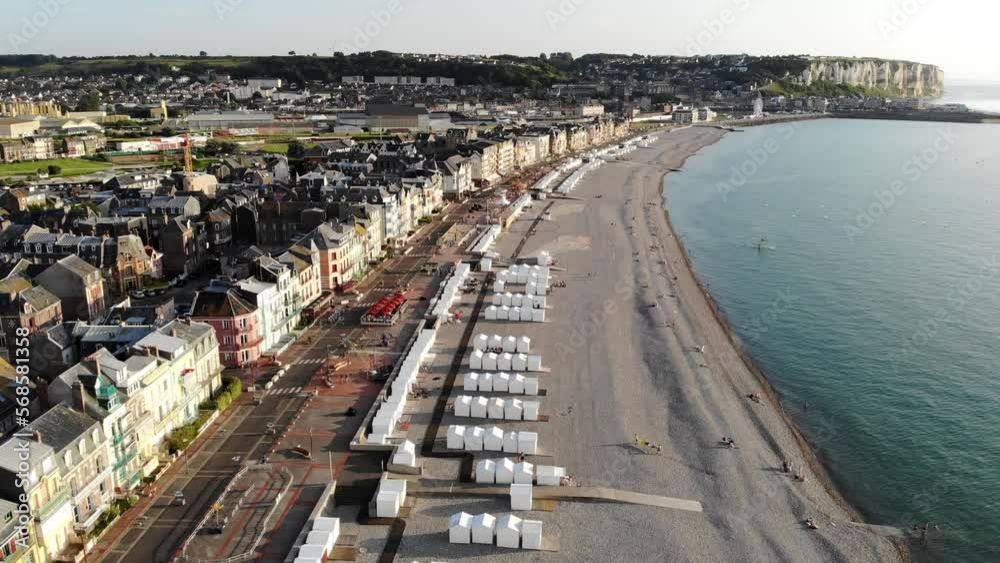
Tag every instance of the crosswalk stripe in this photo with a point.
(282, 391)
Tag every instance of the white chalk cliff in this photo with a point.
(902, 77)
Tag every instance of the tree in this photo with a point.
(54, 170)
(291, 53)
(203, 54)
(296, 149)
(215, 147)
(91, 101)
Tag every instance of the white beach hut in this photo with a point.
(539, 302)
(516, 384)
(517, 299)
(508, 531)
(398, 486)
(531, 289)
(463, 406)
(510, 443)
(497, 299)
(311, 552)
(486, 264)
(476, 360)
(501, 381)
(498, 286)
(506, 300)
(478, 407)
(537, 315)
(513, 409)
(387, 504)
(503, 313)
(493, 440)
(531, 534)
(474, 439)
(519, 363)
(481, 342)
(321, 538)
(531, 409)
(486, 470)
(549, 475)
(490, 362)
(521, 496)
(486, 382)
(524, 473)
(531, 386)
(504, 471)
(523, 345)
(495, 410)
(527, 442)
(514, 314)
(483, 526)
(510, 344)
(505, 362)
(405, 455)
(471, 381)
(540, 289)
(492, 312)
(534, 362)
(460, 528)
(456, 437)
(496, 342)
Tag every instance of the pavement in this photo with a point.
(304, 412)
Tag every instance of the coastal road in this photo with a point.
(153, 531)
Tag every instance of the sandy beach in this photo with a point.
(635, 348)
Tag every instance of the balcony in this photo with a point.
(54, 504)
(87, 525)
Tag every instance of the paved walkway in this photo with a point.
(451, 488)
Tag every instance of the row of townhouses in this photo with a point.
(102, 429)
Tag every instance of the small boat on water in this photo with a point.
(763, 244)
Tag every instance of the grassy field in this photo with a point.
(70, 167)
(279, 148)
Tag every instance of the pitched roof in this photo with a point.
(216, 303)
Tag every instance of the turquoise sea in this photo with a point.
(875, 298)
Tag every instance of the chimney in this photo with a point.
(78, 397)
(37, 436)
(42, 389)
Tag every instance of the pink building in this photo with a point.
(236, 322)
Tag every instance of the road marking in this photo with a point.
(283, 391)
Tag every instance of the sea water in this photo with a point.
(873, 305)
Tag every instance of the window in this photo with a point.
(226, 325)
(227, 340)
(82, 447)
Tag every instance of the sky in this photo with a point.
(957, 35)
